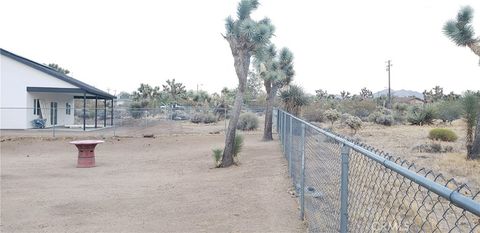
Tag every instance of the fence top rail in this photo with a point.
(453, 196)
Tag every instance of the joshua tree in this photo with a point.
(471, 111)
(174, 89)
(58, 68)
(366, 94)
(294, 98)
(276, 72)
(246, 37)
(461, 32)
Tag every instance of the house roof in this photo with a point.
(45, 69)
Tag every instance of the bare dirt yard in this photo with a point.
(161, 184)
(401, 141)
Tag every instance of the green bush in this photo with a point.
(209, 118)
(445, 135)
(421, 116)
(247, 121)
(314, 115)
(354, 122)
(197, 118)
(238, 145)
(382, 117)
(217, 156)
(359, 108)
(205, 118)
(137, 109)
(449, 111)
(332, 115)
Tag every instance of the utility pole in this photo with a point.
(389, 103)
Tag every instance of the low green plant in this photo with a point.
(238, 145)
(382, 117)
(247, 121)
(355, 123)
(217, 156)
(197, 118)
(209, 118)
(421, 115)
(449, 111)
(205, 118)
(332, 115)
(445, 135)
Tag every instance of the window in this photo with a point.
(68, 108)
(36, 107)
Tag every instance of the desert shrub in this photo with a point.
(399, 117)
(202, 117)
(314, 116)
(354, 122)
(332, 115)
(197, 118)
(432, 148)
(400, 107)
(359, 108)
(448, 111)
(209, 118)
(382, 116)
(217, 156)
(238, 145)
(247, 121)
(445, 135)
(421, 116)
(137, 109)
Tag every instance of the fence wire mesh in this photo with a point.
(105, 120)
(375, 192)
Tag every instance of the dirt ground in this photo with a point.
(161, 184)
(400, 140)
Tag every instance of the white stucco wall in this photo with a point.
(47, 98)
(14, 79)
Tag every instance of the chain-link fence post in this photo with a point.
(146, 119)
(284, 134)
(302, 174)
(290, 143)
(280, 127)
(344, 190)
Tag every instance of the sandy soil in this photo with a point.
(164, 184)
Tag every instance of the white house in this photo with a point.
(30, 90)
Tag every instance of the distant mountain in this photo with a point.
(400, 93)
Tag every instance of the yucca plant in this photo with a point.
(217, 156)
(472, 118)
(237, 148)
(294, 98)
(246, 37)
(461, 32)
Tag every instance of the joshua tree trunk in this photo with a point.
(242, 63)
(271, 92)
(475, 47)
(474, 149)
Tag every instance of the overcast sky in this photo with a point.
(338, 45)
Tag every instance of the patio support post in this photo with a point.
(105, 112)
(111, 115)
(96, 106)
(84, 106)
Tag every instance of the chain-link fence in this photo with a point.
(346, 186)
(108, 121)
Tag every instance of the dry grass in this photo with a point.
(399, 140)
